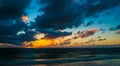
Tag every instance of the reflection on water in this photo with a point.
(87, 60)
(60, 57)
(113, 62)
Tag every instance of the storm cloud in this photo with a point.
(11, 9)
(59, 15)
(68, 13)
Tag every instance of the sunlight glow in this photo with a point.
(24, 18)
(37, 43)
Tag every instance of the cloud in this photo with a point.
(10, 39)
(100, 22)
(99, 38)
(56, 34)
(10, 20)
(18, 37)
(6, 45)
(58, 15)
(7, 27)
(102, 30)
(75, 37)
(7, 23)
(65, 42)
(89, 23)
(24, 18)
(118, 32)
(84, 34)
(39, 36)
(68, 13)
(28, 36)
(115, 28)
(12, 9)
(50, 33)
(87, 33)
(102, 39)
(101, 6)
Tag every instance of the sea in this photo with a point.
(90, 56)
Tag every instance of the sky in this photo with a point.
(59, 23)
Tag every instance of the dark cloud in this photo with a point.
(7, 23)
(11, 9)
(10, 35)
(101, 6)
(115, 28)
(59, 15)
(99, 37)
(9, 30)
(66, 13)
(49, 33)
(10, 27)
(102, 39)
(17, 39)
(10, 39)
(28, 36)
(90, 41)
(10, 20)
(89, 23)
(57, 34)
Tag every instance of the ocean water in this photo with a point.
(112, 62)
(60, 57)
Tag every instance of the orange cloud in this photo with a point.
(87, 33)
(118, 32)
(24, 18)
(41, 43)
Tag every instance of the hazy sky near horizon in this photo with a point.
(59, 23)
